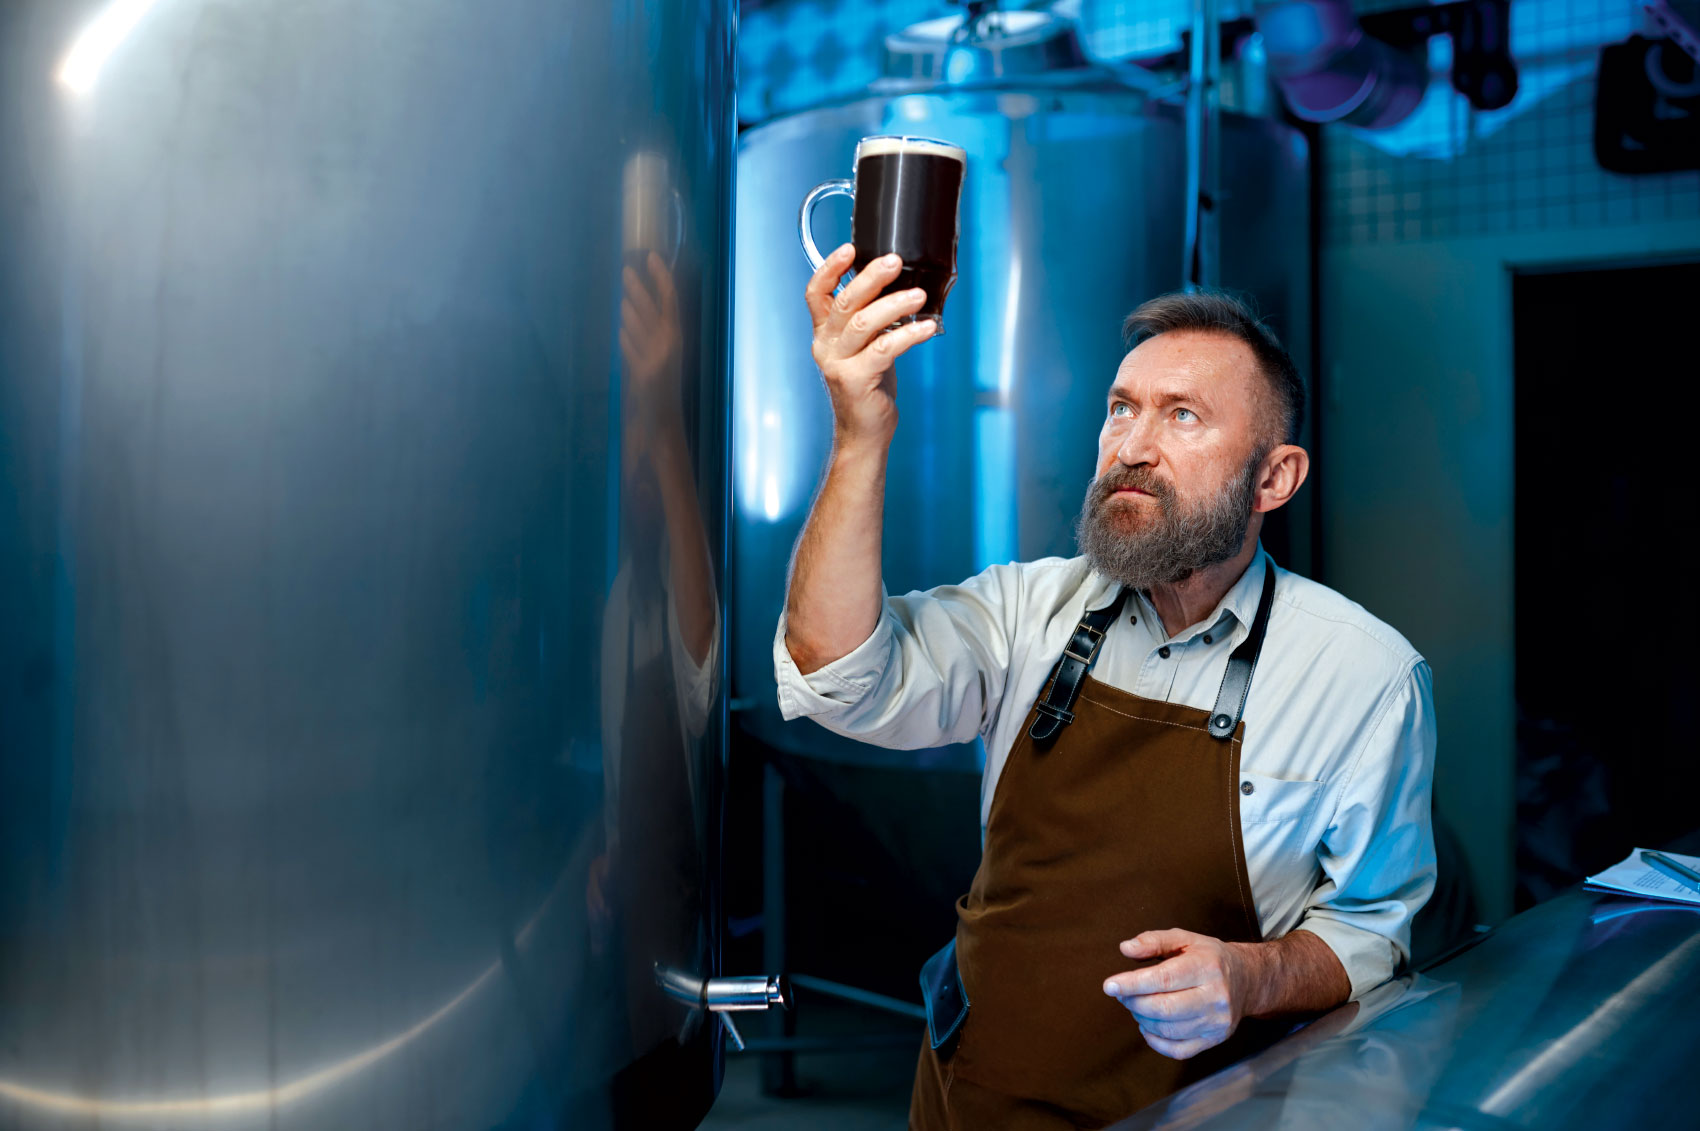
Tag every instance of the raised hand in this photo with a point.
(852, 347)
(651, 338)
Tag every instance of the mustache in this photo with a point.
(1121, 477)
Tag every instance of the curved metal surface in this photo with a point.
(1575, 1014)
(992, 45)
(360, 696)
(1072, 214)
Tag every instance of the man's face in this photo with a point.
(1178, 459)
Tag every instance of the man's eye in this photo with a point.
(1121, 410)
(1185, 415)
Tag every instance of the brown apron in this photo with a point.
(1126, 819)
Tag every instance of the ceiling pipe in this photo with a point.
(1330, 71)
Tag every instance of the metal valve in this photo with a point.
(722, 996)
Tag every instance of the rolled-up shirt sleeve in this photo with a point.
(1377, 854)
(932, 671)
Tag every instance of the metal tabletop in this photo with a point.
(1580, 1012)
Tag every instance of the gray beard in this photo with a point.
(1174, 544)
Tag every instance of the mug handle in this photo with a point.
(805, 215)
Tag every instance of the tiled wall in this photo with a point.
(1450, 170)
(1447, 171)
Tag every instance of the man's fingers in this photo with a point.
(1178, 973)
(887, 348)
(861, 290)
(1177, 1050)
(638, 295)
(1185, 1029)
(1151, 944)
(664, 288)
(877, 315)
(868, 364)
(1195, 1002)
(818, 294)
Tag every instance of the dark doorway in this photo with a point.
(1607, 435)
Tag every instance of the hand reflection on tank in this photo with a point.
(660, 664)
(1371, 1064)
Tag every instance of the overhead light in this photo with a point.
(105, 32)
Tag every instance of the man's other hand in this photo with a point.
(852, 349)
(1193, 999)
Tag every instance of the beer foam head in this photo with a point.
(879, 146)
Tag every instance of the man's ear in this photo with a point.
(1279, 477)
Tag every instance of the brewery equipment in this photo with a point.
(361, 535)
(1073, 212)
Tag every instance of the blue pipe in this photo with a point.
(1330, 71)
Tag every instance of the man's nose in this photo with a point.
(1138, 447)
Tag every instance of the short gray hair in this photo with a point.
(1218, 312)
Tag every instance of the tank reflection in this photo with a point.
(361, 512)
(1368, 1066)
(1576, 1013)
(660, 668)
(238, 1103)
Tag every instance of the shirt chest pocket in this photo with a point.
(1268, 801)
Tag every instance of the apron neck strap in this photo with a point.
(1236, 680)
(1054, 711)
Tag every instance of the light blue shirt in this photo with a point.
(1339, 725)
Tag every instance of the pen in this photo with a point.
(1681, 873)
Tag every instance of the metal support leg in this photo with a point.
(778, 1068)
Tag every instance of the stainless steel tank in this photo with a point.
(1072, 214)
(361, 710)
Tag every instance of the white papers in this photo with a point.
(1632, 876)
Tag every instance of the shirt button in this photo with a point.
(1133, 620)
(1207, 639)
(1247, 788)
(1163, 651)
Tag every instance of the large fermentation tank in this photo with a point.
(361, 707)
(1073, 212)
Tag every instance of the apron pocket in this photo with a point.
(947, 1001)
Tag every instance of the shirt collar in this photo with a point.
(1240, 601)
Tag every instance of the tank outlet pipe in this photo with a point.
(722, 996)
(1203, 148)
(1331, 71)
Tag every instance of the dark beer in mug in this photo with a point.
(651, 212)
(906, 194)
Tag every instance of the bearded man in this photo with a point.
(1178, 859)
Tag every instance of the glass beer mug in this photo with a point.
(905, 192)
